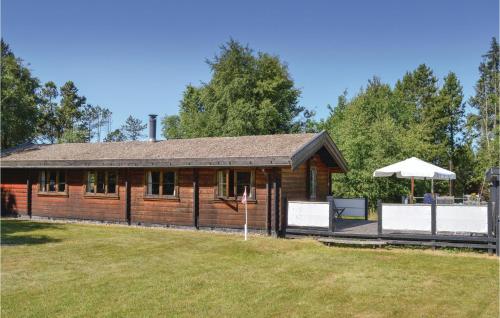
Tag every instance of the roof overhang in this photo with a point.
(150, 163)
(320, 143)
(321, 140)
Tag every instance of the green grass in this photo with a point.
(81, 270)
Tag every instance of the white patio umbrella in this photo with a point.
(415, 168)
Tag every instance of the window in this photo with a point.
(243, 181)
(231, 182)
(168, 183)
(52, 181)
(161, 183)
(101, 182)
(312, 183)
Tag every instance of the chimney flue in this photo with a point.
(152, 127)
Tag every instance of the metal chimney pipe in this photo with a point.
(152, 127)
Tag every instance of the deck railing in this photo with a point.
(434, 218)
(320, 214)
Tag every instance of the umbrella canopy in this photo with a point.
(415, 168)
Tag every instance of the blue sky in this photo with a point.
(136, 57)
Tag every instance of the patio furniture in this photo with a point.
(445, 199)
(337, 211)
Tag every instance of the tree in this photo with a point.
(170, 127)
(133, 128)
(248, 94)
(19, 100)
(70, 109)
(47, 120)
(417, 109)
(369, 137)
(73, 135)
(88, 119)
(451, 119)
(485, 120)
(115, 135)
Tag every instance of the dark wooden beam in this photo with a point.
(379, 217)
(366, 208)
(331, 217)
(29, 193)
(128, 206)
(269, 196)
(276, 208)
(284, 214)
(433, 217)
(196, 199)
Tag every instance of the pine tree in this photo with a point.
(487, 116)
(450, 119)
(70, 110)
(47, 120)
(133, 128)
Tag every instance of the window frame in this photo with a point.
(106, 194)
(235, 197)
(46, 183)
(160, 195)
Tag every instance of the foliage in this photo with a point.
(485, 120)
(171, 127)
(133, 128)
(248, 94)
(47, 120)
(73, 135)
(18, 100)
(70, 110)
(115, 135)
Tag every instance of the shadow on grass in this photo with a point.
(16, 232)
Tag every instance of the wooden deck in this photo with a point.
(361, 232)
(356, 226)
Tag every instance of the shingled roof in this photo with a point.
(265, 150)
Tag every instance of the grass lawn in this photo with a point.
(81, 270)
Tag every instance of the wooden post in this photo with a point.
(490, 223)
(284, 207)
(28, 194)
(277, 190)
(412, 189)
(433, 217)
(269, 208)
(498, 237)
(331, 216)
(196, 199)
(379, 217)
(128, 209)
(433, 220)
(366, 208)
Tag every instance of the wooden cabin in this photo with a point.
(180, 182)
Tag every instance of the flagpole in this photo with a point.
(246, 216)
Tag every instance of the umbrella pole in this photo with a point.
(412, 188)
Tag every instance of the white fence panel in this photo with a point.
(406, 217)
(353, 207)
(308, 213)
(467, 218)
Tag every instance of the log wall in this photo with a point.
(213, 212)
